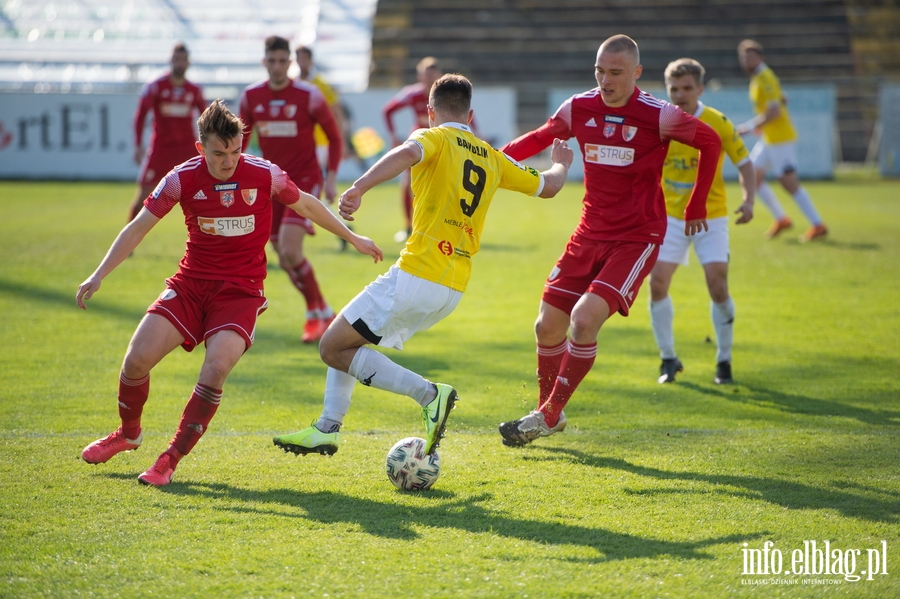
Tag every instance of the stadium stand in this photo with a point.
(535, 46)
(103, 45)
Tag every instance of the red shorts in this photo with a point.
(160, 161)
(614, 270)
(282, 215)
(200, 308)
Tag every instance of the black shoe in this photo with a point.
(668, 368)
(723, 373)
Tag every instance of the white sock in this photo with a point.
(662, 317)
(338, 391)
(723, 321)
(374, 369)
(767, 196)
(805, 203)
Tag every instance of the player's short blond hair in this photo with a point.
(621, 43)
(429, 62)
(685, 66)
(749, 45)
(220, 122)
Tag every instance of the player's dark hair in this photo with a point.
(622, 43)
(274, 42)
(220, 122)
(686, 66)
(451, 95)
(305, 50)
(180, 47)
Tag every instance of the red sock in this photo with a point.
(576, 363)
(548, 361)
(304, 279)
(133, 395)
(200, 409)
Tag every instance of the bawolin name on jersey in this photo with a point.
(227, 226)
(608, 155)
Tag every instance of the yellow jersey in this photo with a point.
(453, 186)
(764, 90)
(331, 98)
(680, 169)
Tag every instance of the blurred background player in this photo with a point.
(684, 83)
(309, 73)
(414, 97)
(284, 113)
(425, 285)
(624, 134)
(216, 296)
(175, 104)
(776, 149)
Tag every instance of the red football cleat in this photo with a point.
(103, 449)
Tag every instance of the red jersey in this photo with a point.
(624, 149)
(174, 116)
(413, 96)
(228, 222)
(285, 121)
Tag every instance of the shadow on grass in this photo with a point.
(441, 509)
(67, 299)
(788, 494)
(799, 404)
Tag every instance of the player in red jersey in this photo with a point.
(175, 103)
(624, 136)
(285, 113)
(414, 97)
(216, 295)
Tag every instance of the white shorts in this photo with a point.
(396, 305)
(778, 159)
(710, 246)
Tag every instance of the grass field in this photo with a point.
(652, 491)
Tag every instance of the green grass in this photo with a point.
(651, 492)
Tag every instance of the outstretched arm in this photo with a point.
(747, 176)
(388, 166)
(125, 242)
(562, 156)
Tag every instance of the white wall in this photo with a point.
(88, 136)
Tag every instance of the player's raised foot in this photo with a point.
(723, 373)
(313, 330)
(434, 415)
(778, 226)
(160, 473)
(526, 429)
(309, 440)
(102, 449)
(668, 369)
(814, 232)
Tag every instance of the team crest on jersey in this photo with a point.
(445, 247)
(629, 132)
(290, 110)
(249, 196)
(609, 129)
(227, 198)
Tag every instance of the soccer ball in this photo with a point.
(409, 468)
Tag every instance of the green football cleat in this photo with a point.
(434, 415)
(309, 440)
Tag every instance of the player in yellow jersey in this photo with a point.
(684, 83)
(454, 177)
(309, 72)
(776, 151)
